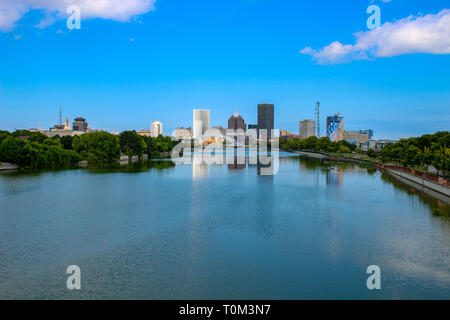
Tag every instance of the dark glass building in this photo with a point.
(236, 122)
(266, 118)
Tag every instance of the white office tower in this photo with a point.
(307, 128)
(201, 123)
(156, 129)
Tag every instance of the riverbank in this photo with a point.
(322, 155)
(8, 166)
(432, 189)
(123, 160)
(439, 187)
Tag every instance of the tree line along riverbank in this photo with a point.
(417, 153)
(408, 159)
(35, 150)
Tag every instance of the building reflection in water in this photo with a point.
(335, 176)
(267, 165)
(266, 169)
(200, 168)
(237, 162)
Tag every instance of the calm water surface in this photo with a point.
(221, 232)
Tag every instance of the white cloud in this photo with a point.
(333, 53)
(414, 34)
(11, 11)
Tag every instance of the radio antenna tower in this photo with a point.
(317, 113)
(60, 116)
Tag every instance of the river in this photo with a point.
(161, 231)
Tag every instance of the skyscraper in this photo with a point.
(335, 128)
(156, 127)
(307, 128)
(201, 122)
(236, 122)
(266, 118)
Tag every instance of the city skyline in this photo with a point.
(202, 118)
(225, 157)
(123, 74)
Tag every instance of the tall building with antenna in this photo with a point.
(317, 114)
(60, 125)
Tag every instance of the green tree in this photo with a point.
(411, 155)
(333, 147)
(372, 153)
(66, 142)
(344, 149)
(97, 147)
(425, 141)
(347, 144)
(31, 136)
(37, 137)
(441, 160)
(427, 156)
(53, 141)
(294, 144)
(21, 133)
(131, 143)
(309, 143)
(15, 150)
(3, 135)
(323, 144)
(155, 146)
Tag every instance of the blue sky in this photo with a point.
(159, 63)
